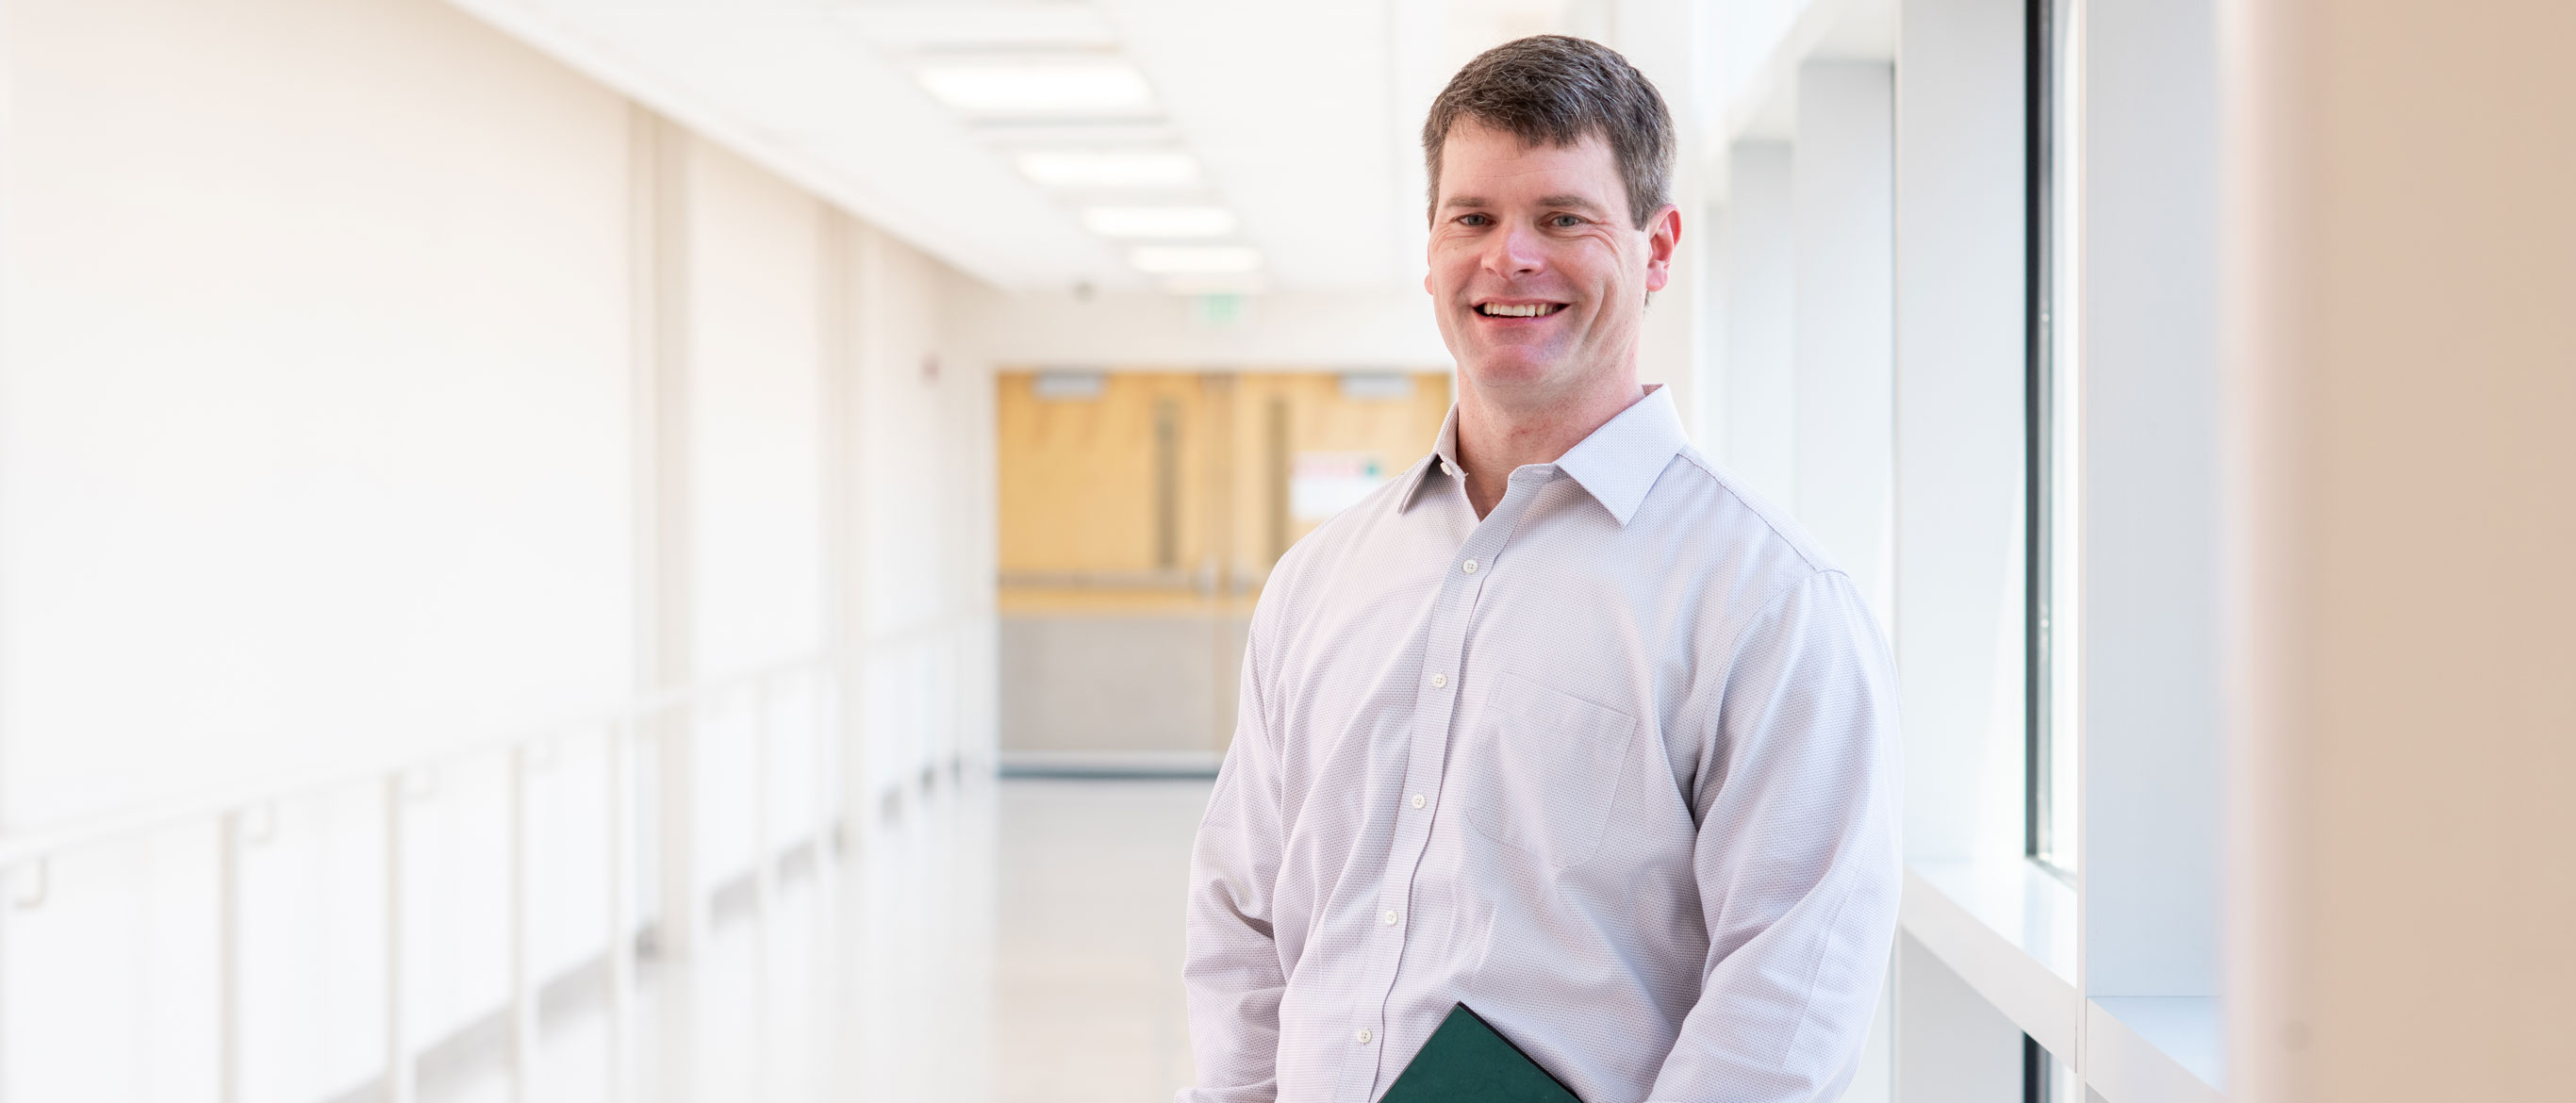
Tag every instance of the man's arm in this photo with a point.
(1797, 856)
(1231, 970)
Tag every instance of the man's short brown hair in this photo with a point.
(1553, 89)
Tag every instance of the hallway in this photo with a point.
(582, 551)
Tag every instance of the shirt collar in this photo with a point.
(1443, 462)
(1617, 464)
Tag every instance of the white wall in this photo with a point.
(329, 391)
(925, 443)
(314, 388)
(752, 399)
(312, 413)
(1761, 367)
(1391, 328)
(1842, 198)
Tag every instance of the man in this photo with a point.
(1562, 723)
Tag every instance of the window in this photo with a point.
(2050, 716)
(2044, 1078)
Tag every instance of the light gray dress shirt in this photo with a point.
(1615, 766)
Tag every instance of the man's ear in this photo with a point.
(1663, 235)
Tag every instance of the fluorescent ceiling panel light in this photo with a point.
(1159, 221)
(998, 89)
(1100, 169)
(1175, 260)
(945, 26)
(1075, 132)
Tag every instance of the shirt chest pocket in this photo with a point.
(1542, 770)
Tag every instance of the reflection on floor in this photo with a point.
(1002, 941)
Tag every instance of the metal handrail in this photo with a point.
(20, 848)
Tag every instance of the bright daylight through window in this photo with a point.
(2051, 716)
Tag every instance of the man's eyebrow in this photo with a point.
(1568, 199)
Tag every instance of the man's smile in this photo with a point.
(1532, 309)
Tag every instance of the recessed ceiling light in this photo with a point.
(1173, 260)
(1036, 87)
(1159, 221)
(1111, 169)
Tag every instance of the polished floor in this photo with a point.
(1000, 942)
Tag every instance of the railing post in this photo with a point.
(828, 698)
(400, 1086)
(523, 990)
(826, 723)
(621, 925)
(764, 876)
(676, 936)
(228, 972)
(764, 825)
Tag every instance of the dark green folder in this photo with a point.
(1467, 1062)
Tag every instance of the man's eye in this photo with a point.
(1473, 220)
(1565, 222)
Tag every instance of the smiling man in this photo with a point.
(1562, 724)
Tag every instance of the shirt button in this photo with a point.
(1363, 1036)
(1390, 918)
(1468, 566)
(1439, 681)
(1447, 468)
(1419, 800)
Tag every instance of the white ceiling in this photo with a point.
(1304, 115)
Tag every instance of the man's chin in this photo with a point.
(1512, 368)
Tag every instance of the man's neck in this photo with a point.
(1498, 435)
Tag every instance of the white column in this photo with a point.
(1842, 193)
(871, 778)
(665, 647)
(2149, 499)
(1959, 420)
(1758, 439)
(844, 618)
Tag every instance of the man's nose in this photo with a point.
(1516, 251)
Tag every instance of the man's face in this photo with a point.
(1538, 273)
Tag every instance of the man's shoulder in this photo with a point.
(1702, 503)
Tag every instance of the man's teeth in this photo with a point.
(1534, 310)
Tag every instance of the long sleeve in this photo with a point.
(1796, 857)
(1232, 970)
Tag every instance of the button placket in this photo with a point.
(1424, 774)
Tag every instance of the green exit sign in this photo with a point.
(1221, 310)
